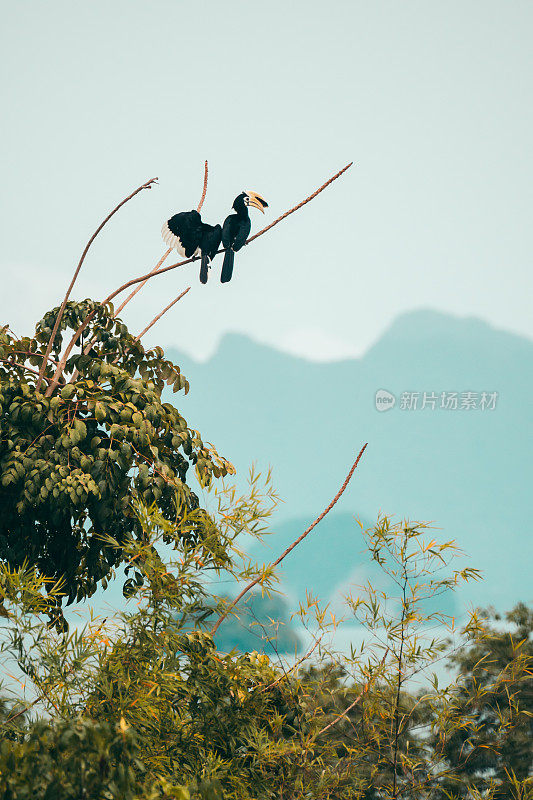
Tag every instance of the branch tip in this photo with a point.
(294, 544)
(204, 190)
(147, 185)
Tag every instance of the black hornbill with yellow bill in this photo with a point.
(236, 229)
(191, 237)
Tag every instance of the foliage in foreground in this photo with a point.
(144, 705)
(492, 710)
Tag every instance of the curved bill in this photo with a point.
(257, 201)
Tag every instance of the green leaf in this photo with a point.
(68, 391)
(100, 411)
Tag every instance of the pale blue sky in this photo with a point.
(432, 101)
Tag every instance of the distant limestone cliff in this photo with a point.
(466, 467)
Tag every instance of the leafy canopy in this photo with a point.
(71, 464)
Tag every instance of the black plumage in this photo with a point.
(191, 237)
(209, 243)
(183, 231)
(236, 229)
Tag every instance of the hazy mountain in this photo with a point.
(468, 470)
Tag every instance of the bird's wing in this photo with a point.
(183, 231)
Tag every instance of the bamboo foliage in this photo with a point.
(148, 693)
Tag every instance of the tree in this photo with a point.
(492, 708)
(72, 464)
(377, 723)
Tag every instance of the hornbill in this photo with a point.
(237, 227)
(190, 236)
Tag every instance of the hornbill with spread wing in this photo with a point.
(236, 229)
(191, 237)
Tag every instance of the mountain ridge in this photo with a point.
(468, 470)
(402, 327)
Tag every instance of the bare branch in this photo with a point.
(164, 311)
(165, 255)
(92, 340)
(22, 711)
(140, 286)
(294, 666)
(133, 281)
(49, 346)
(144, 278)
(20, 366)
(293, 545)
(300, 205)
(396, 718)
(204, 191)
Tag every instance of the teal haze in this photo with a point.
(466, 471)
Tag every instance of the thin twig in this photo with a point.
(140, 286)
(294, 666)
(204, 191)
(92, 340)
(50, 344)
(22, 711)
(152, 274)
(31, 354)
(164, 311)
(22, 366)
(357, 700)
(303, 203)
(396, 718)
(293, 545)
(165, 255)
